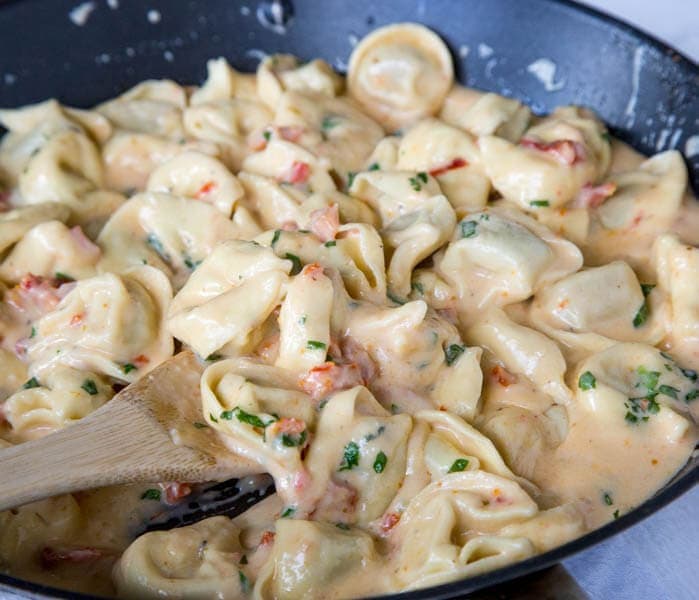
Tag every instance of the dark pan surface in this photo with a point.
(646, 92)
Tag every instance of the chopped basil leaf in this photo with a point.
(380, 462)
(330, 244)
(690, 374)
(244, 582)
(200, 425)
(372, 436)
(276, 236)
(226, 415)
(190, 263)
(350, 178)
(350, 458)
(615, 514)
(539, 203)
(640, 409)
(127, 368)
(329, 122)
(213, 419)
(62, 276)
(693, 395)
(423, 176)
(342, 526)
(151, 494)
(393, 298)
(288, 512)
(648, 379)
(418, 287)
(459, 465)
(647, 288)
(608, 499)
(291, 441)
(315, 345)
(267, 135)
(668, 390)
(213, 357)
(452, 353)
(587, 381)
(32, 383)
(642, 315)
(468, 229)
(374, 167)
(154, 242)
(90, 387)
(33, 333)
(417, 181)
(296, 263)
(246, 417)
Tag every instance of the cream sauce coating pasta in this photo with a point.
(454, 333)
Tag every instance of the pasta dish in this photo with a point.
(455, 333)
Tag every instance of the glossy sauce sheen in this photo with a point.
(456, 335)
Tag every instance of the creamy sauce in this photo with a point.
(454, 334)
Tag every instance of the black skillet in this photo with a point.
(648, 94)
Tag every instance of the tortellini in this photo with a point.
(400, 73)
(61, 397)
(194, 562)
(552, 162)
(109, 324)
(228, 297)
(500, 256)
(490, 114)
(18, 221)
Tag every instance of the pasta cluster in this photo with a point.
(456, 334)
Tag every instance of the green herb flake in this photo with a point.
(289, 511)
(154, 242)
(200, 425)
(213, 419)
(380, 462)
(151, 494)
(329, 122)
(190, 263)
(458, 465)
(315, 345)
(648, 379)
(647, 288)
(606, 137)
(690, 374)
(693, 395)
(296, 263)
(90, 387)
(276, 236)
(608, 499)
(342, 526)
(63, 277)
(303, 319)
(642, 315)
(615, 514)
(350, 178)
(393, 298)
(587, 381)
(213, 357)
(418, 180)
(452, 353)
(127, 368)
(32, 383)
(33, 333)
(350, 458)
(330, 244)
(246, 417)
(668, 390)
(418, 287)
(395, 409)
(539, 203)
(226, 415)
(244, 582)
(469, 229)
(292, 441)
(640, 409)
(374, 167)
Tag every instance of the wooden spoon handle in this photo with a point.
(115, 444)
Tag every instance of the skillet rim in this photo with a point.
(454, 589)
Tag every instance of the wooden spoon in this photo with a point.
(146, 433)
